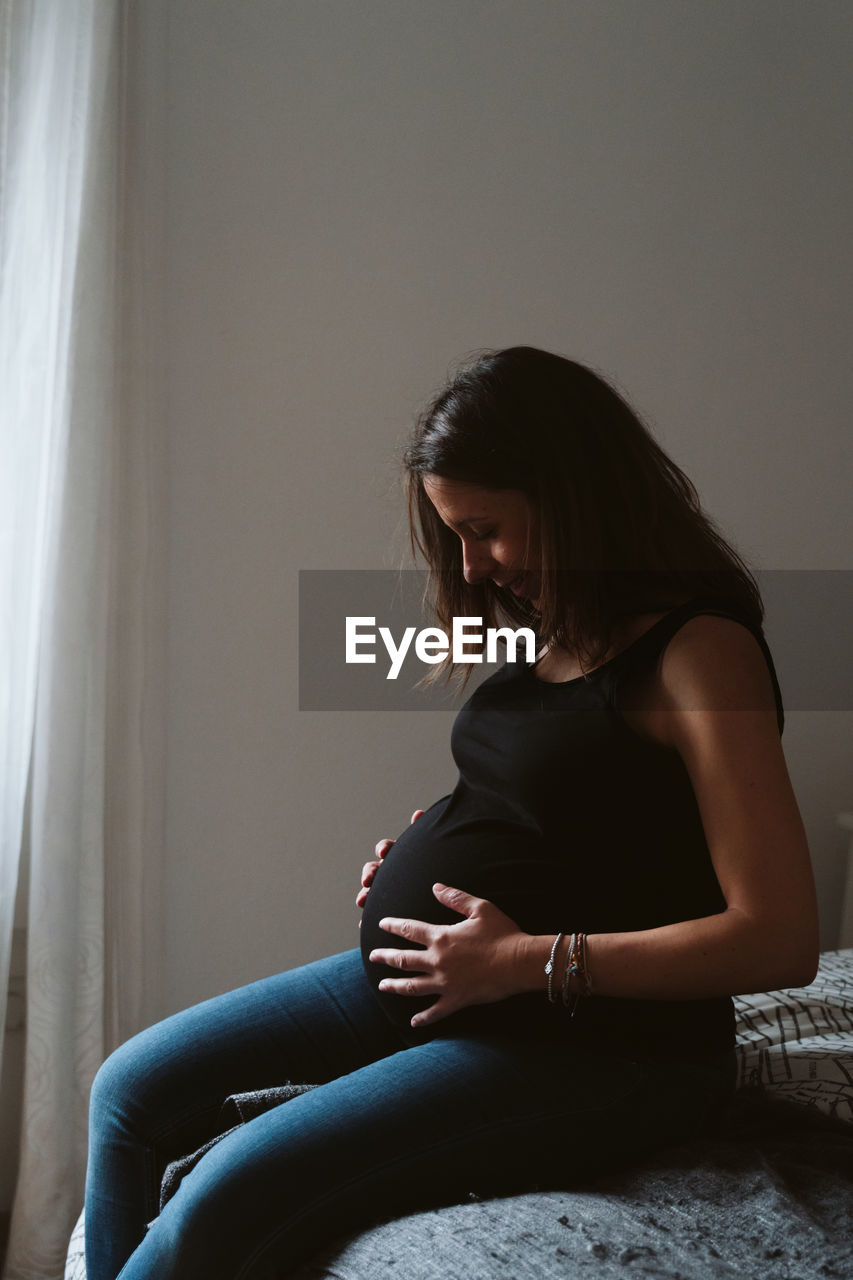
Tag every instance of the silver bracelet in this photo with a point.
(549, 968)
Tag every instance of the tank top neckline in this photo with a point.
(530, 667)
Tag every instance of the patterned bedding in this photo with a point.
(797, 1045)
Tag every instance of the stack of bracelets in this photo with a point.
(576, 967)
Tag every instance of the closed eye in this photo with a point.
(482, 537)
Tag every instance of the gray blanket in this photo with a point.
(770, 1198)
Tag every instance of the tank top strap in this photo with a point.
(644, 651)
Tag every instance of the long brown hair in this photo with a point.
(621, 527)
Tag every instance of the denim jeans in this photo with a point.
(396, 1125)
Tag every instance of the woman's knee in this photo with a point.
(127, 1082)
(113, 1089)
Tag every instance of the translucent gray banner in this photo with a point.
(365, 641)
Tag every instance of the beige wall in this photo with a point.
(346, 195)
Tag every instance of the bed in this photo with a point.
(769, 1195)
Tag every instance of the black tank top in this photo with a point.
(566, 819)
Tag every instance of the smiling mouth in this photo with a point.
(524, 586)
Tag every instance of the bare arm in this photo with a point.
(717, 710)
(715, 706)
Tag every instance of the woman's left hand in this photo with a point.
(476, 961)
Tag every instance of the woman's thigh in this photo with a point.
(416, 1129)
(159, 1095)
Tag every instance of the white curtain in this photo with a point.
(62, 461)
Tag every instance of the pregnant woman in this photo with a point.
(548, 953)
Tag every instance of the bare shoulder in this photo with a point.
(715, 664)
(712, 665)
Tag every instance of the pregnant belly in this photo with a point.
(495, 860)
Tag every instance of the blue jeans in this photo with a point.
(396, 1125)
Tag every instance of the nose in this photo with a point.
(476, 563)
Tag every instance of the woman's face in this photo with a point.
(495, 527)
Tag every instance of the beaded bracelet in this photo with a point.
(549, 968)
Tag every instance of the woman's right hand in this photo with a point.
(370, 868)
